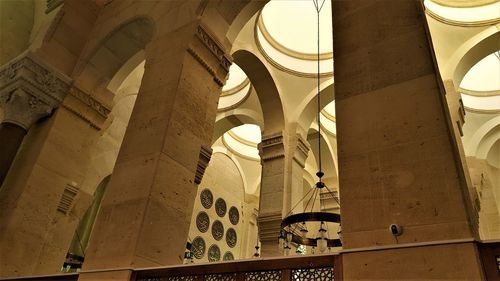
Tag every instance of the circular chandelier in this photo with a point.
(295, 227)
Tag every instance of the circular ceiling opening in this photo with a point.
(293, 25)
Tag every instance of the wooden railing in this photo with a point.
(306, 268)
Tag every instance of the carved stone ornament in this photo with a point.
(213, 253)
(231, 237)
(206, 198)
(220, 207)
(217, 230)
(228, 256)
(234, 215)
(198, 247)
(203, 160)
(30, 90)
(202, 222)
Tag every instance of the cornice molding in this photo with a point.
(90, 101)
(218, 52)
(214, 46)
(271, 147)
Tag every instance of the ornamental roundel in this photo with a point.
(220, 207)
(217, 230)
(198, 247)
(202, 222)
(231, 237)
(214, 253)
(228, 256)
(207, 198)
(234, 215)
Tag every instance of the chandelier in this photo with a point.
(296, 229)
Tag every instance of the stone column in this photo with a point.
(398, 163)
(29, 91)
(146, 213)
(283, 158)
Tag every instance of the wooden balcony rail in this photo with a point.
(305, 268)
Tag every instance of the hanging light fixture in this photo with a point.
(296, 228)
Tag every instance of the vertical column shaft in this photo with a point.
(11, 137)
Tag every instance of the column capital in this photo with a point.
(30, 90)
(272, 147)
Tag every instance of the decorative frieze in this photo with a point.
(271, 147)
(214, 46)
(203, 160)
(90, 101)
(30, 90)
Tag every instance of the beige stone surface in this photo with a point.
(457, 262)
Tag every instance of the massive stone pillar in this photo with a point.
(398, 162)
(283, 158)
(29, 91)
(145, 214)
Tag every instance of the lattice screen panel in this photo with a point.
(272, 275)
(313, 274)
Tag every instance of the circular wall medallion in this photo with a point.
(220, 207)
(217, 230)
(228, 256)
(207, 198)
(198, 247)
(231, 237)
(214, 253)
(202, 222)
(234, 215)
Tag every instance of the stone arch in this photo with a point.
(480, 134)
(309, 111)
(245, 14)
(482, 45)
(117, 55)
(266, 89)
(237, 117)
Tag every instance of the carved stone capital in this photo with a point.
(204, 159)
(271, 147)
(269, 227)
(210, 53)
(30, 90)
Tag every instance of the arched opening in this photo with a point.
(79, 243)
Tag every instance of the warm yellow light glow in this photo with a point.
(293, 24)
(469, 14)
(484, 75)
(236, 77)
